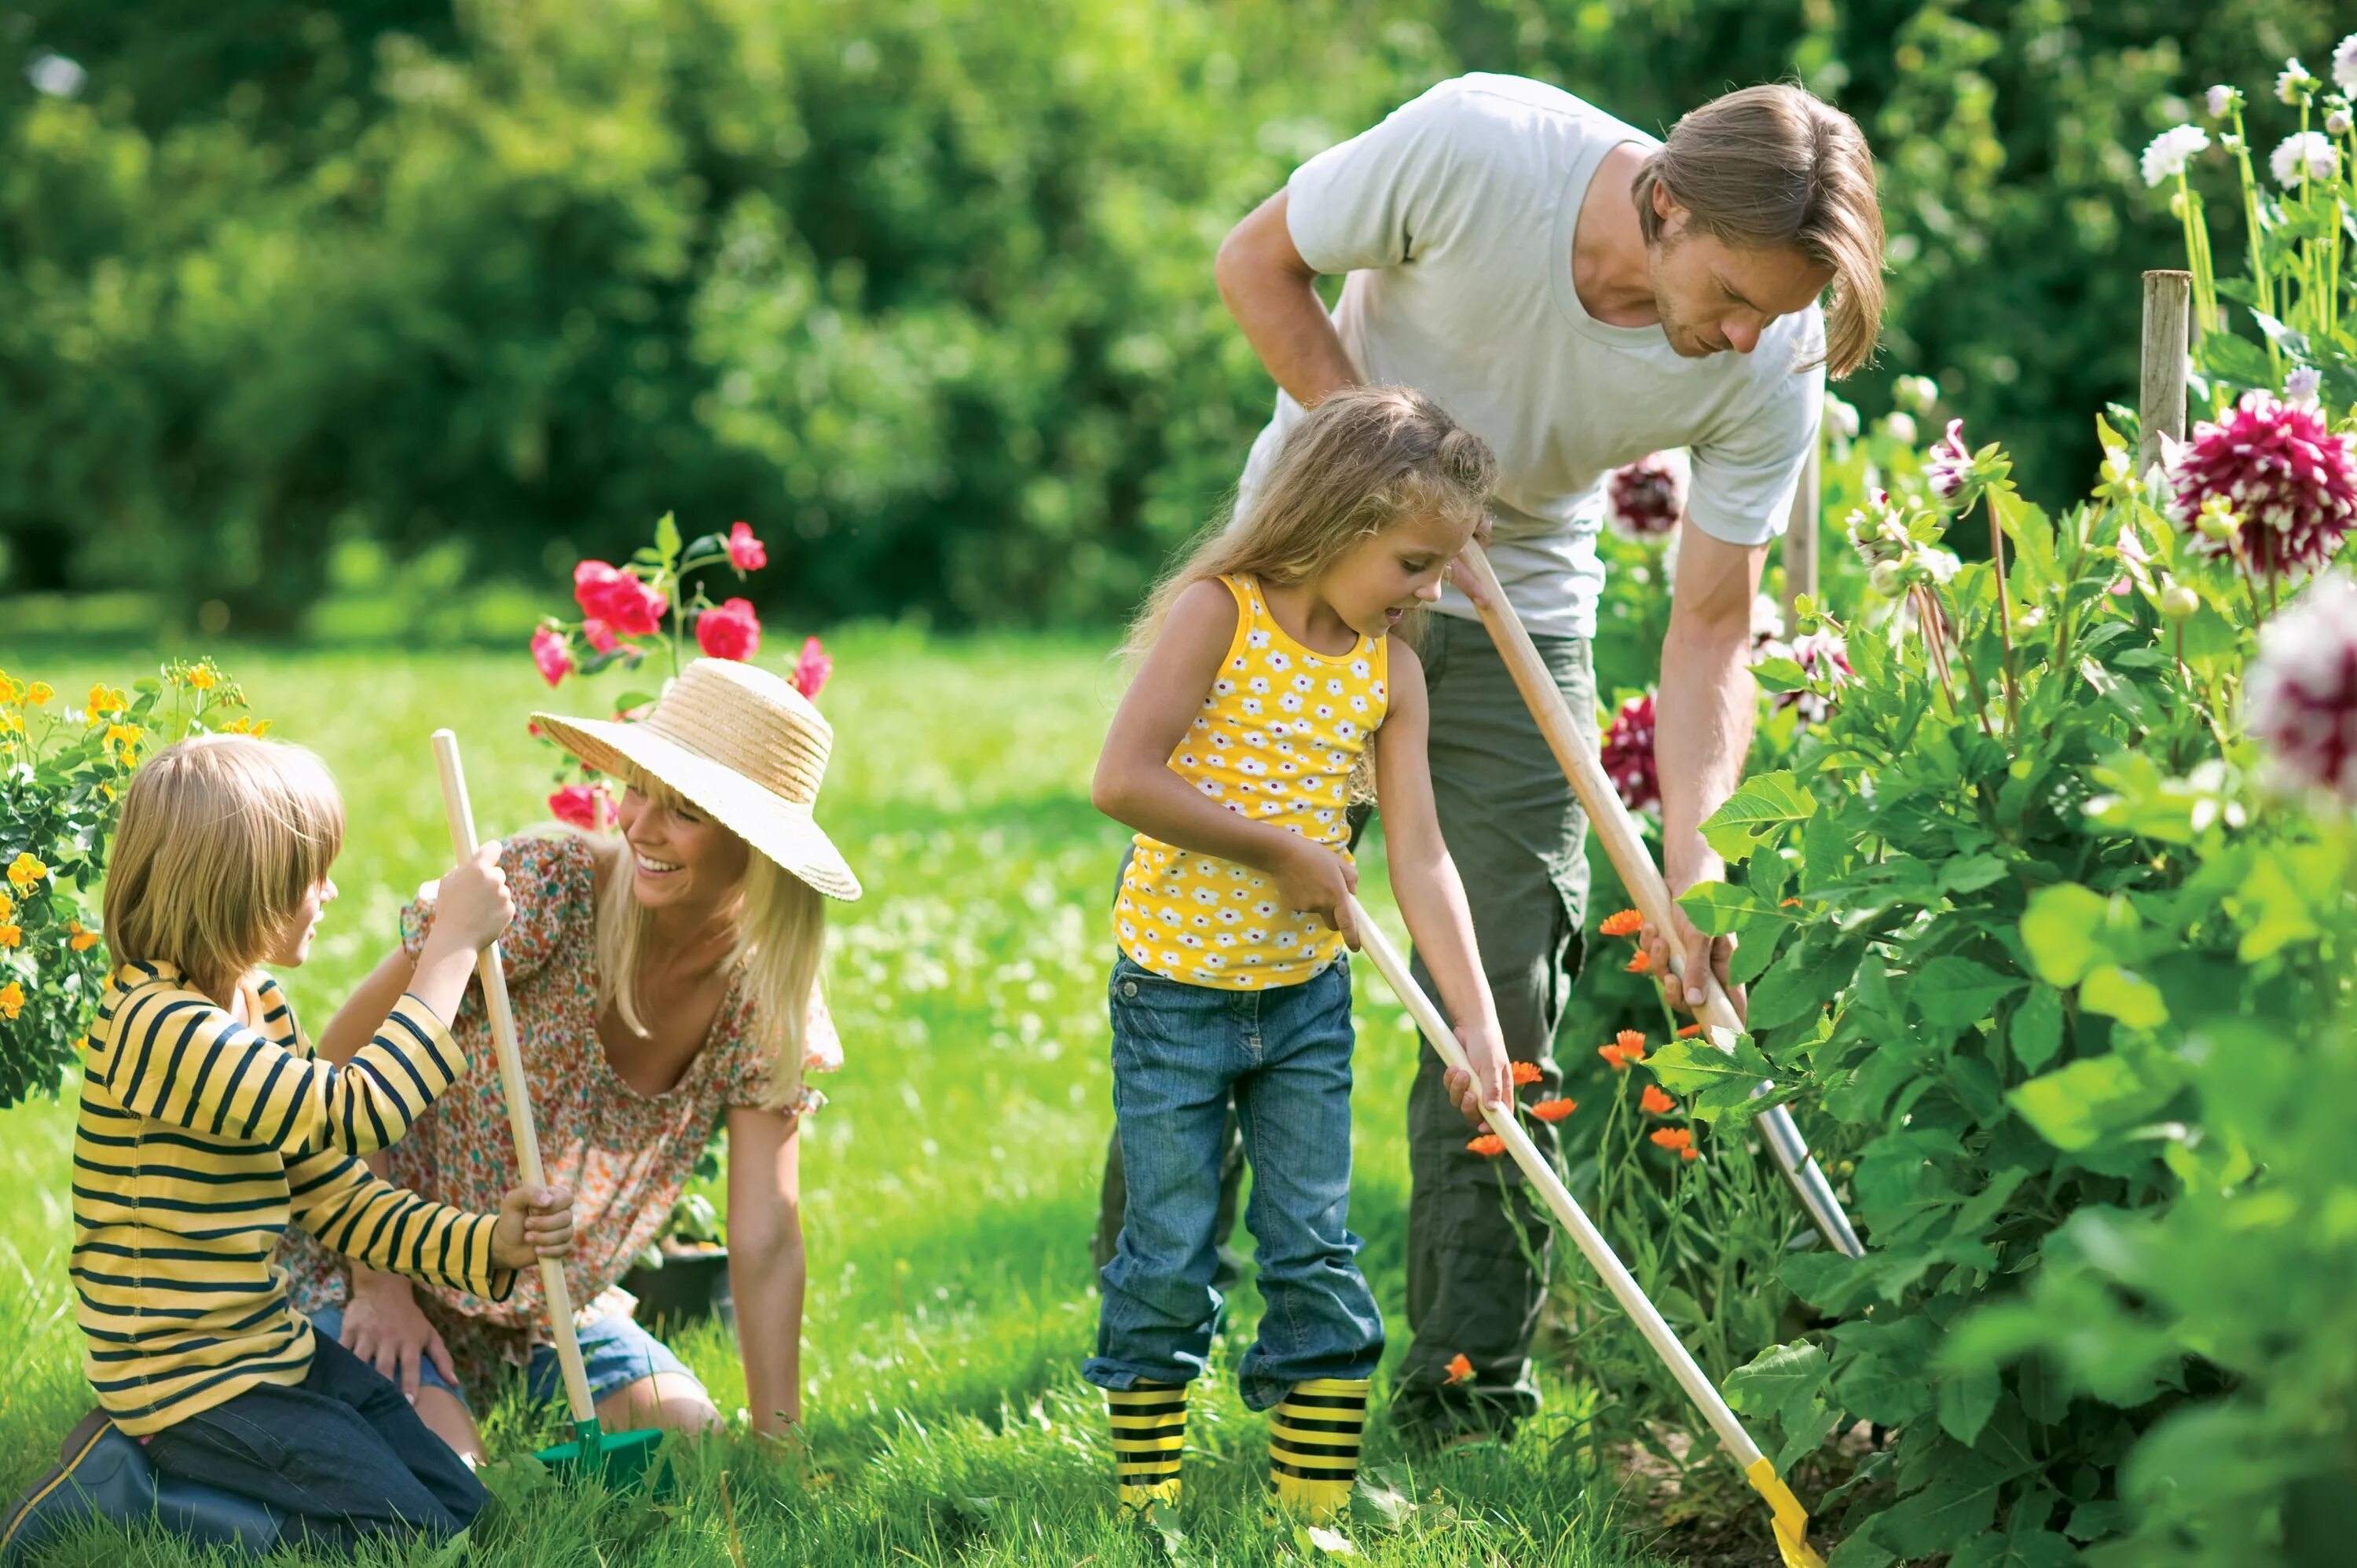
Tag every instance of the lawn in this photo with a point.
(950, 1185)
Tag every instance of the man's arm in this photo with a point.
(1273, 294)
(1702, 733)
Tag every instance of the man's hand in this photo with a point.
(1696, 954)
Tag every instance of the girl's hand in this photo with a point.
(1491, 1081)
(536, 1222)
(473, 906)
(384, 1327)
(1315, 881)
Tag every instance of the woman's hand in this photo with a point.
(536, 1222)
(1315, 881)
(472, 905)
(1491, 1081)
(384, 1327)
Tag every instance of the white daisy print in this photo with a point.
(1277, 660)
(1205, 895)
(1333, 687)
(1251, 706)
(1257, 685)
(1304, 683)
(1358, 704)
(1361, 669)
(1324, 710)
(1290, 701)
(1252, 765)
(1346, 729)
(1230, 918)
(1256, 638)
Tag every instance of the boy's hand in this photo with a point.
(473, 905)
(1315, 881)
(536, 1222)
(1491, 1081)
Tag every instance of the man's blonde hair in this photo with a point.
(781, 935)
(1776, 168)
(1363, 461)
(222, 839)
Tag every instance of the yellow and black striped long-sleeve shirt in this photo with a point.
(199, 1139)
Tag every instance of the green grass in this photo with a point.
(950, 1185)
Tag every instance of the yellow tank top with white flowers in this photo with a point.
(1275, 741)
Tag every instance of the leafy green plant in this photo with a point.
(64, 769)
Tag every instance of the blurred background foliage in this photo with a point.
(333, 317)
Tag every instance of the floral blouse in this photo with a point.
(625, 1156)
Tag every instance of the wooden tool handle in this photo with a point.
(1559, 1201)
(461, 814)
(1576, 752)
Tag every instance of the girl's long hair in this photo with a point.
(781, 935)
(1361, 462)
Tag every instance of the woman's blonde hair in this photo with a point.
(1361, 462)
(1777, 167)
(221, 838)
(781, 931)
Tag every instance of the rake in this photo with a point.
(1575, 752)
(1790, 1521)
(621, 1458)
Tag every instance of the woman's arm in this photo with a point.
(1134, 783)
(1431, 898)
(767, 1270)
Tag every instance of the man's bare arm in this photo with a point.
(1273, 294)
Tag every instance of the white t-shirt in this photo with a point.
(1455, 219)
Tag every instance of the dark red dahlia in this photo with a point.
(1627, 755)
(2291, 482)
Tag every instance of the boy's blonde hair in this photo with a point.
(780, 935)
(1363, 461)
(223, 837)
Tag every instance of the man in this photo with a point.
(1579, 295)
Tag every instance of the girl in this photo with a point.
(207, 1124)
(1269, 664)
(665, 982)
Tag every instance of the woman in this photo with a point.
(665, 981)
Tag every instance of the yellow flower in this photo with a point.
(7, 908)
(124, 741)
(204, 678)
(27, 872)
(11, 722)
(39, 692)
(12, 936)
(105, 700)
(11, 691)
(248, 727)
(78, 938)
(12, 1001)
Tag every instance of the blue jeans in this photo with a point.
(616, 1351)
(1178, 1051)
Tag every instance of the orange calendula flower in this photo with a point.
(1672, 1138)
(1627, 923)
(1640, 964)
(1790, 903)
(1690, 1031)
(12, 936)
(1611, 1054)
(1632, 1045)
(1525, 1072)
(1689, 1154)
(26, 873)
(1554, 1109)
(1489, 1145)
(1656, 1102)
(78, 938)
(1459, 1368)
(12, 1001)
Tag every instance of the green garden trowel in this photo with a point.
(621, 1460)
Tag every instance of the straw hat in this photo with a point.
(742, 744)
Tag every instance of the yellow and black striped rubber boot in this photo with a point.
(1313, 1446)
(1150, 1426)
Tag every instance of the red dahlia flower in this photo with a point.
(2303, 693)
(1643, 500)
(2291, 481)
(1627, 755)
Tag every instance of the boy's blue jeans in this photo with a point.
(1178, 1052)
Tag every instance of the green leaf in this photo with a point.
(1780, 675)
(1955, 993)
(2079, 1104)
(1719, 909)
(2124, 994)
(1717, 1081)
(1786, 1383)
(1965, 1401)
(2035, 1032)
(1755, 815)
(1809, 974)
(1971, 873)
(1384, 1497)
(1331, 1542)
(667, 538)
(2069, 930)
(1875, 1389)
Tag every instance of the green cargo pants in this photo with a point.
(1516, 833)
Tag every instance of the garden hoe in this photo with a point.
(1790, 1523)
(1575, 752)
(621, 1458)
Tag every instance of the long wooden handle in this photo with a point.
(1559, 1201)
(461, 813)
(1575, 754)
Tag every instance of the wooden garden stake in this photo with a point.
(2160, 390)
(1801, 536)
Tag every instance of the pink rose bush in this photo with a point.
(729, 631)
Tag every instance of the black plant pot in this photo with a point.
(690, 1287)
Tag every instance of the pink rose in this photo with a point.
(601, 635)
(730, 631)
(584, 806)
(746, 552)
(550, 651)
(626, 604)
(812, 669)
